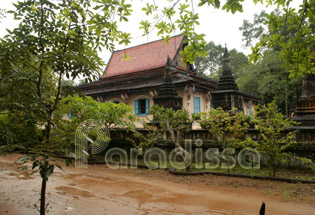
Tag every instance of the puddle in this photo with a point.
(104, 191)
(73, 191)
(21, 175)
(139, 195)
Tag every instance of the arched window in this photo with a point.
(115, 100)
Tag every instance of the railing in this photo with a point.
(305, 137)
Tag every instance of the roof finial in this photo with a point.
(225, 50)
(168, 60)
(226, 62)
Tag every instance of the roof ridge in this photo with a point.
(143, 57)
(118, 50)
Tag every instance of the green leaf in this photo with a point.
(59, 166)
(36, 164)
(69, 162)
(50, 170)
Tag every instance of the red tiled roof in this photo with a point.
(143, 57)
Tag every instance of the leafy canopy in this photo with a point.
(227, 128)
(274, 139)
(296, 51)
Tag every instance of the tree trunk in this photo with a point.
(42, 197)
(274, 169)
(179, 149)
(286, 99)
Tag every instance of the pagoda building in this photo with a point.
(227, 95)
(153, 70)
(305, 106)
(167, 96)
(156, 74)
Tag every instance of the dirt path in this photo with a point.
(99, 190)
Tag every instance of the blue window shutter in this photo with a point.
(250, 109)
(196, 105)
(211, 103)
(137, 107)
(147, 106)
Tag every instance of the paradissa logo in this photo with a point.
(154, 158)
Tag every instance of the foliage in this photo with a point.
(16, 133)
(80, 109)
(152, 135)
(274, 138)
(227, 128)
(295, 50)
(68, 87)
(174, 123)
(2, 14)
(253, 32)
(213, 61)
(269, 81)
(258, 30)
(293, 33)
(55, 39)
(180, 15)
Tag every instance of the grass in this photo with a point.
(291, 173)
(264, 171)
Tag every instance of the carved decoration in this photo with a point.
(124, 97)
(152, 93)
(194, 89)
(208, 96)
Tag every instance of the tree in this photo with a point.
(80, 109)
(296, 50)
(213, 61)
(253, 32)
(55, 39)
(60, 38)
(174, 123)
(227, 128)
(269, 81)
(274, 137)
(293, 33)
(2, 13)
(258, 30)
(181, 15)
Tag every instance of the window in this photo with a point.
(116, 102)
(196, 104)
(250, 111)
(142, 107)
(211, 105)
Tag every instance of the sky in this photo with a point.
(219, 26)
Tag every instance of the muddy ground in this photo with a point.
(100, 190)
